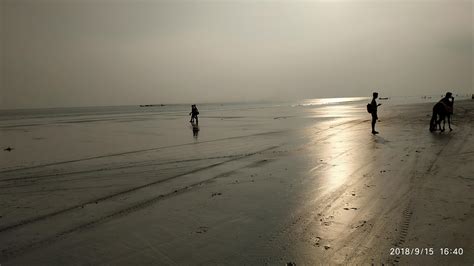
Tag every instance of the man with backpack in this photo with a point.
(372, 109)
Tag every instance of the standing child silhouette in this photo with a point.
(194, 114)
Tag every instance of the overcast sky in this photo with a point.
(104, 52)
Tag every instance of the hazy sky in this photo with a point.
(104, 52)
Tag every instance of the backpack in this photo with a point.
(369, 108)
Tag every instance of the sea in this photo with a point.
(175, 109)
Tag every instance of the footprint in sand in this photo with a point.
(316, 241)
(202, 229)
(326, 221)
(360, 224)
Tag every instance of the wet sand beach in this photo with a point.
(274, 185)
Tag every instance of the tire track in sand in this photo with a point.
(116, 194)
(134, 152)
(10, 253)
(165, 147)
(410, 207)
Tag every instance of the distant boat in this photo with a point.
(384, 98)
(151, 105)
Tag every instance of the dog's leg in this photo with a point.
(449, 122)
(440, 119)
(433, 122)
(444, 124)
(438, 122)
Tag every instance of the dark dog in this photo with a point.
(440, 112)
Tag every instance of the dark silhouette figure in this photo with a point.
(441, 110)
(372, 109)
(194, 114)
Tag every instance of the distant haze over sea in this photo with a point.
(97, 53)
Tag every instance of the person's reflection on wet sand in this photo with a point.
(195, 128)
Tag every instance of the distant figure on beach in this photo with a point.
(372, 109)
(441, 110)
(194, 114)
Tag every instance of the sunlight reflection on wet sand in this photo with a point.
(335, 156)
